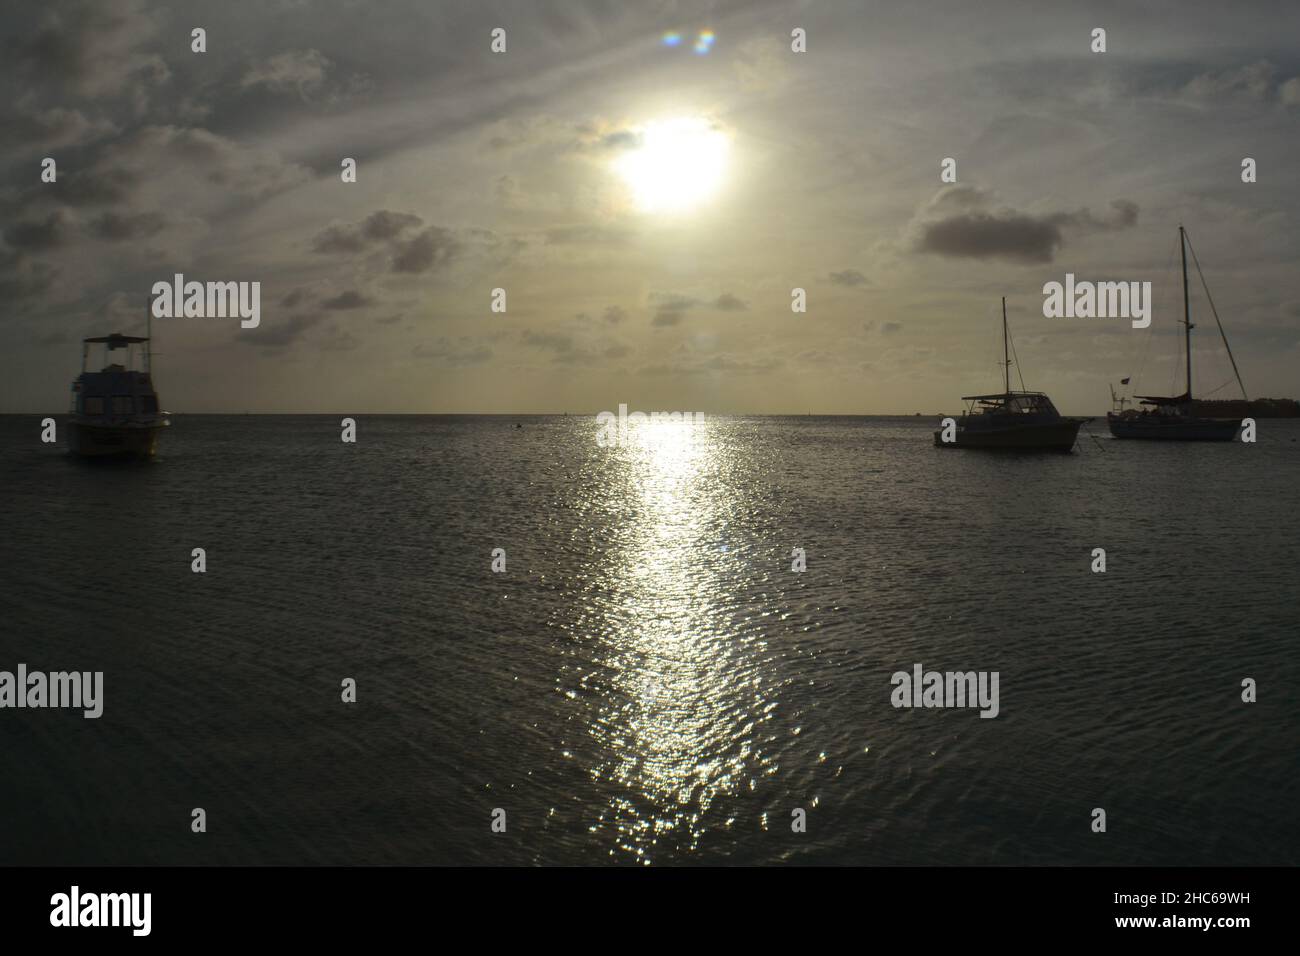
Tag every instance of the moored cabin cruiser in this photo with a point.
(115, 410)
(1022, 420)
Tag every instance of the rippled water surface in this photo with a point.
(649, 681)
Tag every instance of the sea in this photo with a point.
(517, 640)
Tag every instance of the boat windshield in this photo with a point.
(1012, 404)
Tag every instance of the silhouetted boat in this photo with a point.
(115, 410)
(1023, 420)
(1174, 418)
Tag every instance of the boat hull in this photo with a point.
(1151, 428)
(113, 441)
(1058, 436)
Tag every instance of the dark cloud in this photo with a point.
(94, 49)
(672, 301)
(431, 249)
(620, 139)
(115, 226)
(566, 351)
(614, 315)
(849, 277)
(587, 234)
(94, 187)
(886, 328)
(198, 157)
(670, 307)
(38, 236)
(977, 232)
(380, 226)
(599, 138)
(351, 299)
(550, 341)
(383, 224)
(278, 334)
(338, 340)
(338, 239)
(983, 235)
(730, 303)
(426, 251)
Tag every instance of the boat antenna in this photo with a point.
(1006, 359)
(1224, 335)
(1187, 313)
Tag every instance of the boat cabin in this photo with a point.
(1165, 405)
(1024, 405)
(118, 392)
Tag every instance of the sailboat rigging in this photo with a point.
(1173, 418)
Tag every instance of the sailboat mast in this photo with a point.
(1187, 315)
(1006, 359)
(148, 332)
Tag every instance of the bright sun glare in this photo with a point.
(676, 165)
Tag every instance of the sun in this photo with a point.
(676, 165)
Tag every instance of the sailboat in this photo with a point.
(1173, 418)
(115, 410)
(1022, 420)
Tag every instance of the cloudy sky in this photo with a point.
(528, 171)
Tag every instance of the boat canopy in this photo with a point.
(115, 341)
(1001, 396)
(1011, 403)
(1182, 399)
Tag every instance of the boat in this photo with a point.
(1175, 418)
(115, 411)
(1023, 420)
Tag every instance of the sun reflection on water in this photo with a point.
(677, 724)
